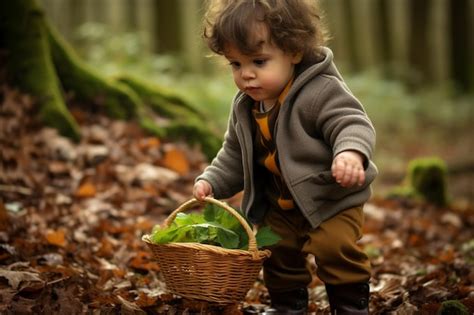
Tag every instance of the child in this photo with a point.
(298, 144)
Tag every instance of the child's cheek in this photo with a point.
(238, 82)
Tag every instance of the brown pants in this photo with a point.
(338, 257)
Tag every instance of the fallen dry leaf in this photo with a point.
(149, 143)
(56, 237)
(86, 190)
(176, 160)
(15, 278)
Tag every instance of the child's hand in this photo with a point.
(202, 189)
(347, 168)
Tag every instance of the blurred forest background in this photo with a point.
(411, 63)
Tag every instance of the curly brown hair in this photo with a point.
(294, 26)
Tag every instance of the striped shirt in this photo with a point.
(266, 154)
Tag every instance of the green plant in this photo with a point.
(214, 226)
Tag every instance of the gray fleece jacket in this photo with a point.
(318, 119)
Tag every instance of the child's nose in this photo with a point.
(247, 73)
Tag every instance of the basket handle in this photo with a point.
(194, 202)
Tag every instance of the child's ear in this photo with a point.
(297, 57)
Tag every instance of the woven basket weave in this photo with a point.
(207, 272)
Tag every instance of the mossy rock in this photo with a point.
(452, 307)
(426, 180)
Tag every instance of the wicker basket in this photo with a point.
(207, 272)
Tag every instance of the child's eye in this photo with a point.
(234, 64)
(259, 62)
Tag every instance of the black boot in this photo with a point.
(350, 298)
(293, 302)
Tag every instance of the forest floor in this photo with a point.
(72, 217)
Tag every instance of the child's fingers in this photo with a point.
(338, 169)
(196, 193)
(361, 177)
(354, 176)
(199, 191)
(348, 172)
(200, 195)
(348, 178)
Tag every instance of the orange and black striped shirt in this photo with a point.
(266, 155)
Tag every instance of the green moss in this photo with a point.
(160, 99)
(116, 100)
(188, 132)
(196, 133)
(150, 126)
(428, 177)
(403, 191)
(60, 119)
(426, 180)
(453, 307)
(185, 121)
(29, 66)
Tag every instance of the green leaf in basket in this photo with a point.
(213, 213)
(205, 233)
(188, 219)
(244, 238)
(228, 238)
(163, 236)
(214, 226)
(266, 237)
(186, 233)
(180, 230)
(215, 234)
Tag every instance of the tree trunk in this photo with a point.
(89, 86)
(461, 56)
(383, 35)
(351, 38)
(29, 64)
(41, 63)
(419, 46)
(334, 17)
(167, 26)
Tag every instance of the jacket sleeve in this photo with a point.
(225, 173)
(342, 120)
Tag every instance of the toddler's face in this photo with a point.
(264, 74)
